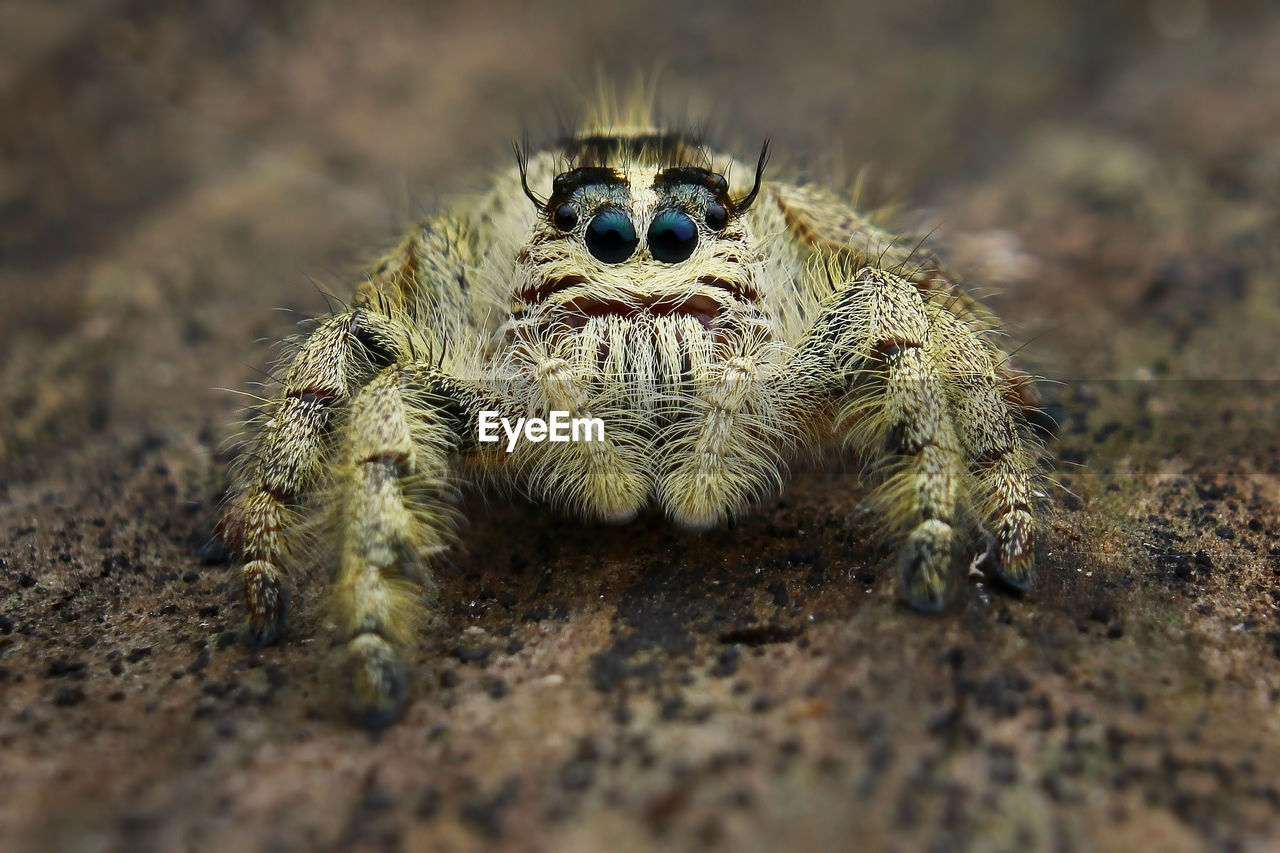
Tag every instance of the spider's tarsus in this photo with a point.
(266, 630)
(926, 566)
(378, 682)
(267, 602)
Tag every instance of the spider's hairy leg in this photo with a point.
(289, 459)
(987, 401)
(990, 399)
(393, 502)
(878, 334)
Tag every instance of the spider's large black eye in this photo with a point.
(611, 237)
(672, 237)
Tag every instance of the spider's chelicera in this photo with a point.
(714, 328)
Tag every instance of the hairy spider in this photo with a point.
(715, 327)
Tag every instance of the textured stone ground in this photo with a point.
(170, 177)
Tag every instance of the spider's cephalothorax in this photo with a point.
(716, 325)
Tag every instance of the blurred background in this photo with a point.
(179, 182)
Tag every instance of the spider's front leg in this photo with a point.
(389, 502)
(290, 455)
(920, 397)
(393, 499)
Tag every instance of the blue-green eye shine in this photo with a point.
(672, 237)
(611, 237)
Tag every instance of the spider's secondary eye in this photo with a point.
(717, 216)
(672, 237)
(611, 237)
(566, 217)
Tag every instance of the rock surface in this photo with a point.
(174, 172)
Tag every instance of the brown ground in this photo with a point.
(173, 173)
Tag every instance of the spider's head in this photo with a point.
(644, 235)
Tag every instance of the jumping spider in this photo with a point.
(716, 326)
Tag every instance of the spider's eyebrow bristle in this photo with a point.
(746, 201)
(694, 175)
(522, 162)
(569, 182)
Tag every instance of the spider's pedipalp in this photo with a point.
(732, 449)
